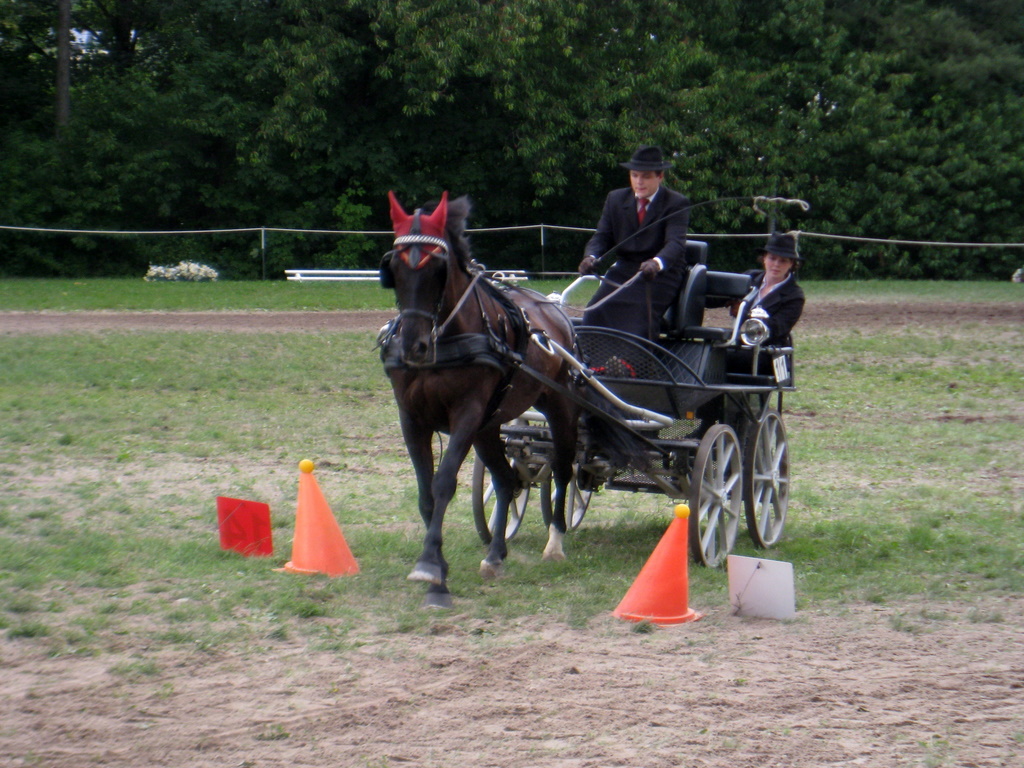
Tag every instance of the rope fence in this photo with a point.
(543, 229)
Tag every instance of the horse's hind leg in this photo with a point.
(563, 431)
(553, 550)
(503, 475)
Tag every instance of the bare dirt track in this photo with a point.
(822, 690)
(818, 315)
(864, 685)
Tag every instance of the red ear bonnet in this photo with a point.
(404, 223)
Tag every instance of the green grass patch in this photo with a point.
(125, 294)
(138, 295)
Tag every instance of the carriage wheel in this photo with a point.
(484, 502)
(766, 479)
(576, 502)
(715, 495)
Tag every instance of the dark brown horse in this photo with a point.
(456, 356)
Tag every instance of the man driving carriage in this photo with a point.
(643, 226)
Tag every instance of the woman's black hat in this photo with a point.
(781, 244)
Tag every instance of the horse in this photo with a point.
(465, 355)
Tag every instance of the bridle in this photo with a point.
(410, 248)
(416, 249)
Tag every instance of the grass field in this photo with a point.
(281, 295)
(907, 475)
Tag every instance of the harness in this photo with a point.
(490, 348)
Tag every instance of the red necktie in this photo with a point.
(642, 213)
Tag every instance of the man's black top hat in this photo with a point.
(647, 158)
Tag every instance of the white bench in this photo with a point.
(506, 275)
(332, 274)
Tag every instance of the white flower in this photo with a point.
(186, 270)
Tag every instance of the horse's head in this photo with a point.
(428, 247)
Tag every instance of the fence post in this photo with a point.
(542, 269)
(263, 250)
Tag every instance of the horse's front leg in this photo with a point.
(434, 568)
(421, 454)
(431, 565)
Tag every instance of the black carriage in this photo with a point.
(706, 399)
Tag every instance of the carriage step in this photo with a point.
(687, 444)
(643, 485)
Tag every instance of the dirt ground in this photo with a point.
(864, 685)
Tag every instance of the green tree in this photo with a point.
(891, 117)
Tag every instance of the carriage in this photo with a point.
(550, 404)
(708, 401)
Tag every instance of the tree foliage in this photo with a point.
(894, 118)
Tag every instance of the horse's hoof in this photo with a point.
(426, 572)
(438, 600)
(491, 570)
(553, 552)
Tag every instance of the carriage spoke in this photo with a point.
(766, 481)
(714, 491)
(488, 493)
(485, 501)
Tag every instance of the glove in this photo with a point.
(649, 269)
(588, 266)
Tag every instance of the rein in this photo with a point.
(436, 331)
(408, 249)
(458, 306)
(618, 288)
(633, 279)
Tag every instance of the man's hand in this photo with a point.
(650, 268)
(588, 266)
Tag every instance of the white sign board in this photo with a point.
(761, 588)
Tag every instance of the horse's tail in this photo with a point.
(608, 434)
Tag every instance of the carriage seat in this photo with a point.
(697, 257)
(696, 252)
(685, 318)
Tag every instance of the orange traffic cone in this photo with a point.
(660, 593)
(319, 546)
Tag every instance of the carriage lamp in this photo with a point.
(753, 332)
